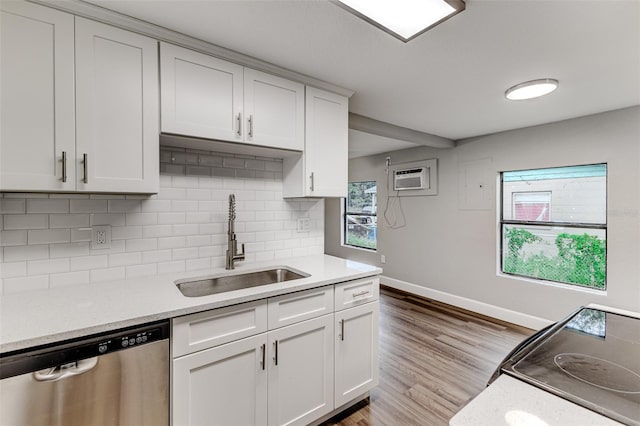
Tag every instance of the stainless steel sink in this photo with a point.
(219, 284)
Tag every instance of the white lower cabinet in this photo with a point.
(224, 385)
(302, 362)
(301, 372)
(356, 352)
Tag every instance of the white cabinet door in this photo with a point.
(274, 110)
(326, 146)
(117, 145)
(225, 385)
(37, 102)
(201, 95)
(301, 372)
(356, 352)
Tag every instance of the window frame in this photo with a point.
(553, 224)
(346, 212)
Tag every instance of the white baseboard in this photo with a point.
(493, 311)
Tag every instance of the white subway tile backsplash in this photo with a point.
(196, 264)
(48, 236)
(171, 242)
(85, 263)
(48, 266)
(171, 218)
(124, 206)
(47, 205)
(68, 250)
(156, 256)
(156, 205)
(183, 228)
(125, 259)
(171, 267)
(26, 221)
(80, 234)
(184, 253)
(17, 253)
(141, 244)
(68, 220)
(9, 206)
(88, 206)
(69, 279)
(141, 219)
(113, 219)
(13, 269)
(13, 238)
(107, 274)
(134, 271)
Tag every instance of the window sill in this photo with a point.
(368, 250)
(554, 284)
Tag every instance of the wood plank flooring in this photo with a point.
(434, 358)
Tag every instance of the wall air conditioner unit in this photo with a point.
(410, 179)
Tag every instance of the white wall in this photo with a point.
(449, 247)
(45, 238)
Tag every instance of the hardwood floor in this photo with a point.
(434, 358)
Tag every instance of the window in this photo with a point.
(554, 224)
(359, 218)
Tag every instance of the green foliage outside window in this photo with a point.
(580, 259)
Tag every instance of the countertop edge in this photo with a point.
(186, 306)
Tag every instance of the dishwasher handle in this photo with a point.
(63, 371)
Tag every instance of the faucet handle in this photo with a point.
(242, 252)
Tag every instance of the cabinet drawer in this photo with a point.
(295, 307)
(354, 293)
(192, 333)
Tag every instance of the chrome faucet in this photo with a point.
(232, 243)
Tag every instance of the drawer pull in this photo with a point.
(264, 354)
(342, 330)
(239, 123)
(361, 293)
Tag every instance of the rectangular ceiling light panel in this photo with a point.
(404, 19)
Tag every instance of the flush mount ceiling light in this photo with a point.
(404, 19)
(531, 89)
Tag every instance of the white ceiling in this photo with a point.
(450, 81)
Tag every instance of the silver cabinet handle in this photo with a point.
(239, 123)
(361, 293)
(342, 330)
(312, 182)
(264, 352)
(85, 165)
(64, 166)
(250, 125)
(275, 356)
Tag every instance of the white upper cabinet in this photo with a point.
(37, 98)
(117, 127)
(201, 95)
(79, 104)
(274, 110)
(321, 171)
(210, 98)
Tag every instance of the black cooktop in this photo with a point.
(591, 358)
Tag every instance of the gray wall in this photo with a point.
(450, 242)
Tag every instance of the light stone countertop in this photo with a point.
(512, 402)
(39, 317)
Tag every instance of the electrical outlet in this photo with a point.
(383, 258)
(101, 237)
(303, 224)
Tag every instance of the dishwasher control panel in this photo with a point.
(129, 340)
(62, 353)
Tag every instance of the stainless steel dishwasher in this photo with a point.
(115, 378)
